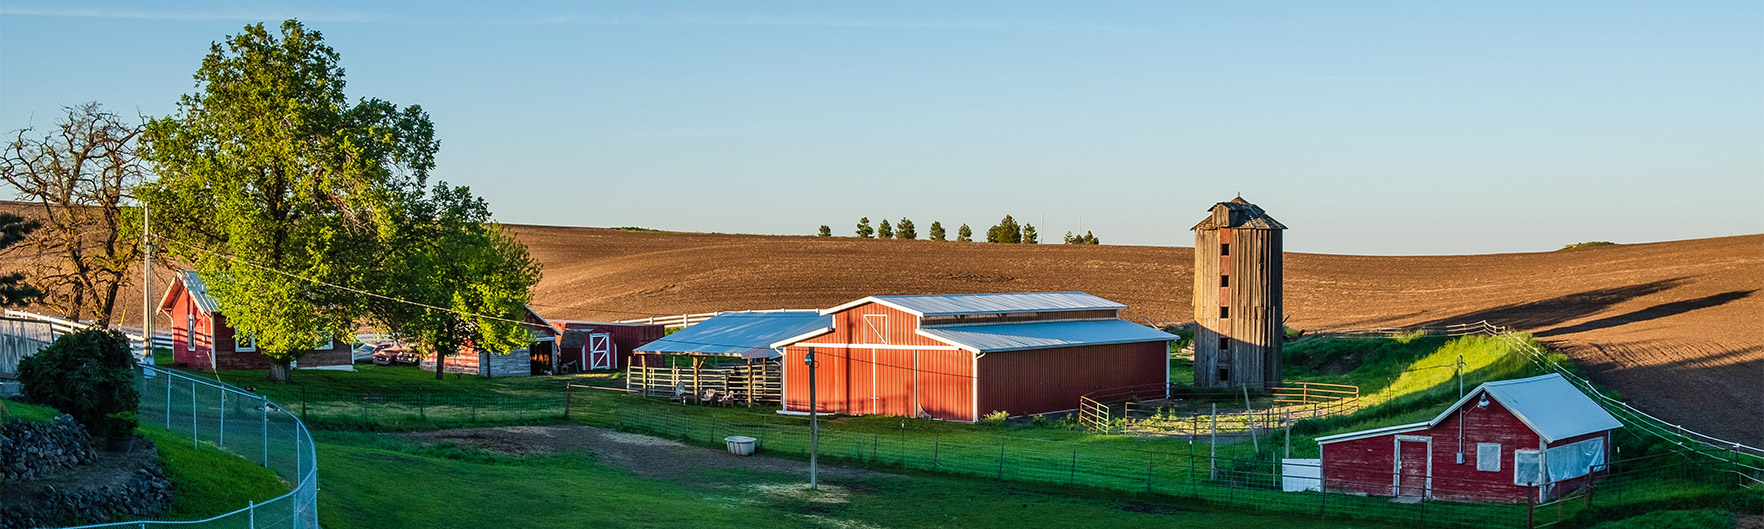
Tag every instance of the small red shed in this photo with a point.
(1495, 444)
(961, 357)
(202, 339)
(589, 345)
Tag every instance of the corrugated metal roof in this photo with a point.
(1552, 406)
(1041, 335)
(1005, 303)
(1549, 404)
(1249, 216)
(742, 334)
(198, 291)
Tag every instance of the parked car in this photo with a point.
(395, 355)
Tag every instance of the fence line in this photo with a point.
(161, 339)
(687, 320)
(245, 424)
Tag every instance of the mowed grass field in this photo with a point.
(390, 483)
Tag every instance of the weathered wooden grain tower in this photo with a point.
(1237, 298)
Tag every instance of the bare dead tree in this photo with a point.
(79, 175)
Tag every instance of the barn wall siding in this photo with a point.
(214, 346)
(1048, 380)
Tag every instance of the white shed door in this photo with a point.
(600, 351)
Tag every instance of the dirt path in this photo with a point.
(646, 456)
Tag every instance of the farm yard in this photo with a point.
(518, 421)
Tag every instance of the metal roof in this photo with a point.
(1006, 303)
(1249, 216)
(1042, 335)
(198, 291)
(740, 334)
(1548, 404)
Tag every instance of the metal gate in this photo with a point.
(600, 351)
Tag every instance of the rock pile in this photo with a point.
(146, 493)
(28, 448)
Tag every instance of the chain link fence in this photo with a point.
(246, 425)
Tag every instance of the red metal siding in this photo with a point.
(908, 373)
(1366, 465)
(626, 338)
(1047, 380)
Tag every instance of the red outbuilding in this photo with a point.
(202, 339)
(962, 357)
(589, 345)
(1498, 443)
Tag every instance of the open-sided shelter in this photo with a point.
(1497, 443)
(731, 353)
(202, 339)
(961, 357)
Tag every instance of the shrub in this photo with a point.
(997, 417)
(88, 374)
(120, 424)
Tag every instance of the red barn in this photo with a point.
(962, 357)
(589, 345)
(1492, 445)
(202, 339)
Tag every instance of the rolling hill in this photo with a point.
(1677, 327)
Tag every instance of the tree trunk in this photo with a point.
(440, 363)
(281, 371)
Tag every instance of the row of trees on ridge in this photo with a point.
(1007, 231)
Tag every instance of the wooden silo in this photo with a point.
(1237, 297)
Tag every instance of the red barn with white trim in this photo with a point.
(961, 357)
(1492, 445)
(202, 339)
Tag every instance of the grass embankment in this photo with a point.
(206, 480)
(468, 488)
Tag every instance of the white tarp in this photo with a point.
(1575, 459)
(1301, 475)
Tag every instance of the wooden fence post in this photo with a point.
(1001, 445)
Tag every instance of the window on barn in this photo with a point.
(190, 332)
(323, 342)
(1224, 343)
(1224, 312)
(1488, 457)
(243, 342)
(1224, 280)
(1224, 248)
(1527, 469)
(1224, 374)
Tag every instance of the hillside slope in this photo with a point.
(1678, 327)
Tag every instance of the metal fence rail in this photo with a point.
(246, 424)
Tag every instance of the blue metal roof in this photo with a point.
(1041, 335)
(1549, 404)
(1006, 303)
(742, 334)
(198, 291)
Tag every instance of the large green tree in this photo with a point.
(453, 278)
(270, 178)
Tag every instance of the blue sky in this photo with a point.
(1373, 128)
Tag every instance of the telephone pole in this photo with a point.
(814, 418)
(146, 284)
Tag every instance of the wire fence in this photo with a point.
(245, 424)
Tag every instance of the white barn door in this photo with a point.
(600, 351)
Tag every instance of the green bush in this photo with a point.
(88, 374)
(120, 424)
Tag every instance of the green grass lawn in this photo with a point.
(392, 485)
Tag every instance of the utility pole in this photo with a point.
(1460, 376)
(146, 284)
(814, 419)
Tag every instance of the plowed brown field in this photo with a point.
(1677, 327)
